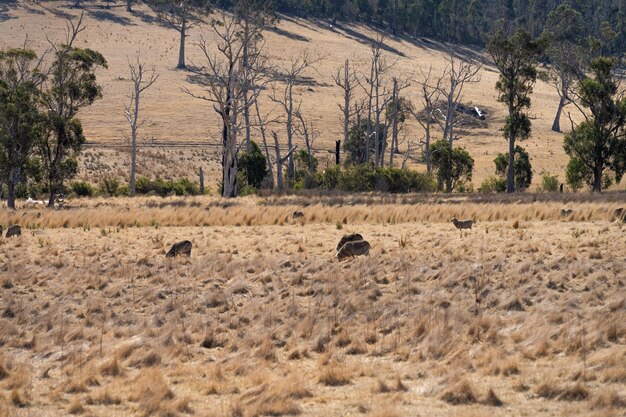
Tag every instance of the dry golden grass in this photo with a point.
(518, 313)
(176, 117)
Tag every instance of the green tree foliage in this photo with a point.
(71, 86)
(454, 164)
(20, 118)
(461, 21)
(253, 165)
(354, 148)
(523, 169)
(515, 58)
(598, 144)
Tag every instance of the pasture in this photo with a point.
(524, 314)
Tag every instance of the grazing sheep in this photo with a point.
(297, 215)
(348, 238)
(14, 230)
(353, 249)
(180, 248)
(566, 212)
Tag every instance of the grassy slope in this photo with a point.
(174, 116)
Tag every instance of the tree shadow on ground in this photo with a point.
(290, 35)
(5, 9)
(108, 16)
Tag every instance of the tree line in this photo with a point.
(464, 21)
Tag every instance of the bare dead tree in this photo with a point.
(262, 122)
(225, 79)
(285, 99)
(430, 86)
(378, 96)
(255, 16)
(346, 82)
(457, 73)
(411, 146)
(280, 161)
(395, 116)
(306, 129)
(141, 82)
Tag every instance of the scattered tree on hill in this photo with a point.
(515, 58)
(182, 16)
(20, 117)
(568, 50)
(70, 86)
(226, 80)
(523, 169)
(598, 144)
(131, 110)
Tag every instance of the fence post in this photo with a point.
(201, 174)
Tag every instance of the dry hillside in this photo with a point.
(176, 117)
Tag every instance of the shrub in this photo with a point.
(161, 187)
(367, 177)
(82, 189)
(354, 148)
(301, 163)
(253, 166)
(522, 170)
(493, 185)
(329, 178)
(451, 165)
(549, 183)
(109, 186)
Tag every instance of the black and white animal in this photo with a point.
(180, 248)
(566, 212)
(14, 230)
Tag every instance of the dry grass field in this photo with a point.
(524, 315)
(176, 117)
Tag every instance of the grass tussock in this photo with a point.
(152, 392)
(335, 375)
(460, 393)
